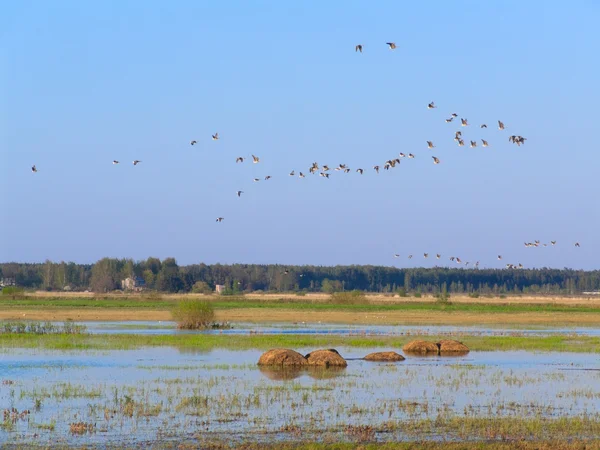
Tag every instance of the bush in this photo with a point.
(201, 287)
(402, 292)
(417, 294)
(12, 292)
(193, 314)
(474, 295)
(348, 298)
(443, 298)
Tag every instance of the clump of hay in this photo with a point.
(384, 356)
(451, 346)
(327, 358)
(422, 347)
(281, 357)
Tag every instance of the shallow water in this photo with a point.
(169, 328)
(150, 394)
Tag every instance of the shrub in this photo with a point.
(12, 292)
(474, 295)
(193, 314)
(402, 292)
(347, 298)
(201, 287)
(443, 298)
(417, 294)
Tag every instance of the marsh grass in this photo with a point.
(39, 328)
(207, 342)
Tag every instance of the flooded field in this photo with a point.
(166, 394)
(241, 328)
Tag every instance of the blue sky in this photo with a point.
(83, 83)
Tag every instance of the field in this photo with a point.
(529, 381)
(312, 308)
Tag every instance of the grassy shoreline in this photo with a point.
(584, 344)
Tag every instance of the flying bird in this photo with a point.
(517, 140)
(425, 255)
(461, 143)
(484, 143)
(268, 177)
(449, 119)
(256, 180)
(391, 45)
(34, 169)
(292, 173)
(464, 122)
(239, 193)
(410, 155)
(239, 159)
(553, 242)
(358, 48)
(359, 171)
(136, 162)
(438, 256)
(115, 161)
(219, 219)
(577, 244)
(215, 137)
(499, 257)
(396, 255)
(431, 106)
(301, 175)
(193, 142)
(376, 168)
(454, 115)
(255, 159)
(500, 125)
(436, 160)
(473, 144)
(430, 144)
(409, 256)
(323, 174)
(483, 126)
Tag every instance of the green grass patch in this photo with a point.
(587, 344)
(352, 303)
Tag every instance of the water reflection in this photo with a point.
(291, 373)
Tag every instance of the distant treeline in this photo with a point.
(167, 276)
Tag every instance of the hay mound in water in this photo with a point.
(451, 346)
(327, 358)
(422, 347)
(384, 356)
(281, 357)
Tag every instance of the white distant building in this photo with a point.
(219, 288)
(7, 281)
(591, 293)
(133, 284)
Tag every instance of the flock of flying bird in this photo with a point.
(324, 169)
(456, 259)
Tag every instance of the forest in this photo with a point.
(167, 276)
